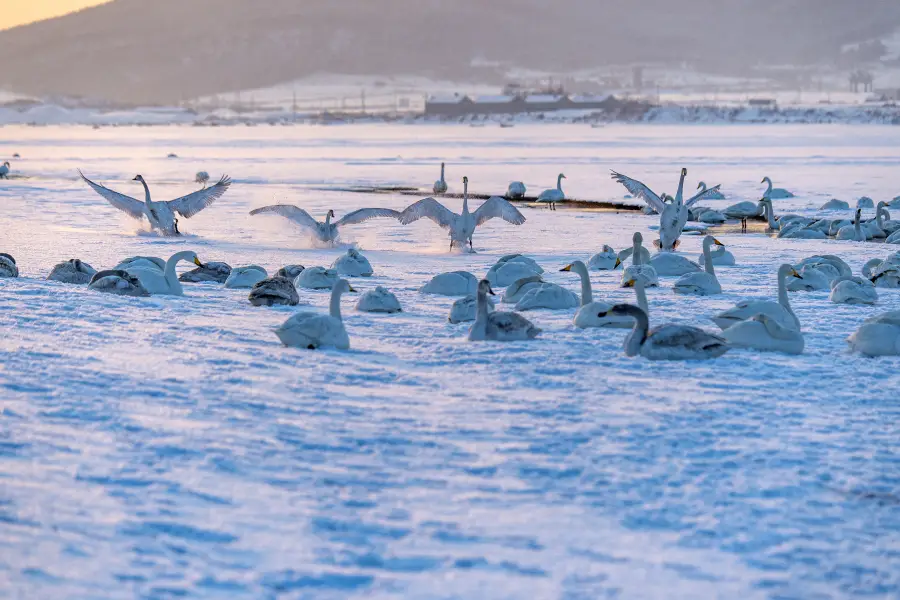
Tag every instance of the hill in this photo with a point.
(168, 50)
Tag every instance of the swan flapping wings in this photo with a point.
(698, 197)
(291, 212)
(190, 205)
(497, 207)
(428, 208)
(364, 214)
(638, 189)
(133, 207)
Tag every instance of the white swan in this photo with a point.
(164, 283)
(454, 283)
(701, 284)
(326, 231)
(4, 170)
(119, 282)
(379, 300)
(711, 217)
(827, 263)
(202, 177)
(878, 335)
(638, 270)
(889, 225)
(317, 278)
(716, 195)
(894, 238)
(605, 260)
(720, 257)
(667, 342)
(353, 264)
(591, 314)
(672, 215)
(245, 277)
(162, 214)
(835, 204)
(853, 290)
(775, 193)
(852, 232)
(274, 291)
(629, 251)
(762, 332)
(516, 190)
(465, 309)
(520, 287)
(886, 274)
(498, 326)
(72, 271)
(142, 262)
(313, 330)
(669, 264)
(743, 210)
(548, 295)
(875, 227)
(812, 279)
(553, 195)
(8, 267)
(509, 271)
(781, 311)
(462, 226)
(440, 186)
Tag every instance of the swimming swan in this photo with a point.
(326, 231)
(313, 330)
(667, 342)
(462, 226)
(498, 326)
(780, 311)
(162, 214)
(701, 284)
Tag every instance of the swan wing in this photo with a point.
(636, 188)
(190, 205)
(497, 207)
(291, 212)
(700, 196)
(684, 336)
(132, 206)
(428, 208)
(364, 214)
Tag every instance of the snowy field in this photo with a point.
(171, 447)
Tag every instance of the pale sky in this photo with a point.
(19, 12)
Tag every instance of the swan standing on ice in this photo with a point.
(202, 177)
(667, 342)
(672, 215)
(638, 270)
(781, 311)
(313, 330)
(775, 193)
(878, 335)
(516, 190)
(462, 226)
(553, 195)
(440, 186)
(762, 332)
(327, 232)
(161, 214)
(164, 282)
(714, 195)
(701, 284)
(4, 170)
(8, 266)
(498, 326)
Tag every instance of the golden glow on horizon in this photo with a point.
(20, 12)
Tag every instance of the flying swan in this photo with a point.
(162, 214)
(326, 232)
(462, 226)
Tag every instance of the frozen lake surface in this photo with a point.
(165, 447)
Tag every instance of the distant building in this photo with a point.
(461, 106)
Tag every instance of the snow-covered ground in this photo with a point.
(171, 446)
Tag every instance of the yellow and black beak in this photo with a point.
(350, 288)
(618, 262)
(684, 172)
(717, 242)
(629, 283)
(796, 274)
(197, 262)
(566, 268)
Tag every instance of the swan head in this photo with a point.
(6, 164)
(561, 176)
(484, 287)
(576, 266)
(331, 213)
(637, 238)
(701, 185)
(618, 262)
(630, 283)
(717, 242)
(343, 286)
(138, 178)
(683, 172)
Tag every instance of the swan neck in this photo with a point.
(641, 295)
(638, 334)
(707, 257)
(879, 219)
(559, 179)
(334, 307)
(465, 208)
(587, 295)
(170, 274)
(442, 172)
(146, 192)
(327, 219)
(636, 253)
(679, 196)
(782, 290)
(768, 191)
(770, 214)
(481, 311)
